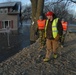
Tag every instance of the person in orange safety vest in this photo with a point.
(65, 27)
(41, 29)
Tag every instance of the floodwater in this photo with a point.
(18, 41)
(72, 28)
(15, 42)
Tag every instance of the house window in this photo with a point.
(10, 9)
(5, 10)
(1, 10)
(7, 23)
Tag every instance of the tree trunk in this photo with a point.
(37, 9)
(40, 6)
(32, 28)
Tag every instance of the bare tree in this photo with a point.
(74, 1)
(26, 13)
(37, 10)
(59, 7)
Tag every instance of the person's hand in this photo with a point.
(57, 37)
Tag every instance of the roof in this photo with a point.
(7, 4)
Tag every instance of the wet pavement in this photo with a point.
(16, 41)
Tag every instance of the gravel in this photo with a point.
(29, 61)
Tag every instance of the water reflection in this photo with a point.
(17, 42)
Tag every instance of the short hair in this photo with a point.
(40, 17)
(63, 19)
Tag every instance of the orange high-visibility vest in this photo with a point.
(64, 25)
(41, 24)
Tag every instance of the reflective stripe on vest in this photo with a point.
(54, 27)
(41, 24)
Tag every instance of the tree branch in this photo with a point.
(73, 1)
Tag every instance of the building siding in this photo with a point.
(6, 17)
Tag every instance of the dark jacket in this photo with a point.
(49, 34)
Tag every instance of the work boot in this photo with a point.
(46, 59)
(55, 56)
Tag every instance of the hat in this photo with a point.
(49, 13)
(63, 19)
(40, 17)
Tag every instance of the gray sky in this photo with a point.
(24, 2)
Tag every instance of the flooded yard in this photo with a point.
(15, 43)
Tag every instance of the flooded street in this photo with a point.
(16, 42)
